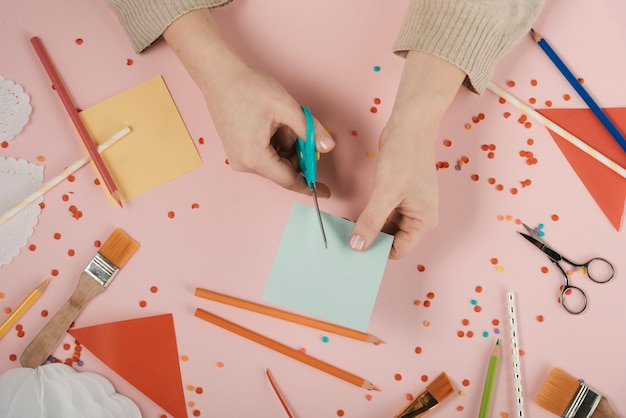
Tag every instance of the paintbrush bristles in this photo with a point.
(557, 391)
(441, 388)
(118, 248)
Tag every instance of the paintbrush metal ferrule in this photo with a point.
(101, 270)
(584, 403)
(422, 404)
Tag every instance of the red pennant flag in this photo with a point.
(144, 352)
(606, 187)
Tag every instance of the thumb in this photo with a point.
(324, 142)
(370, 222)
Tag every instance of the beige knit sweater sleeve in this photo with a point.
(472, 34)
(146, 20)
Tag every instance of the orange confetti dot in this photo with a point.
(477, 308)
(199, 390)
(354, 133)
(184, 357)
(528, 125)
(226, 161)
(418, 350)
(373, 109)
(502, 100)
(66, 346)
(492, 147)
(71, 178)
(201, 141)
(57, 235)
(371, 154)
(522, 119)
(397, 376)
(481, 116)
(97, 243)
(424, 378)
(460, 408)
(513, 190)
(475, 177)
(447, 142)
(430, 295)
(555, 217)
(475, 119)
(465, 382)
(171, 214)
(421, 267)
(504, 415)
(495, 322)
(533, 82)
(539, 318)
(460, 333)
(506, 115)
(376, 100)
(42, 205)
(465, 321)
(522, 352)
(7, 310)
(32, 247)
(499, 187)
(196, 413)
(2, 295)
(417, 302)
(41, 158)
(96, 182)
(71, 252)
(368, 397)
(426, 323)
(72, 209)
(544, 269)
(54, 272)
(468, 126)
(532, 100)
(65, 198)
(491, 180)
(340, 413)
(500, 217)
(154, 289)
(510, 83)
(426, 303)
(408, 397)
(484, 147)
(12, 357)
(4, 144)
(191, 404)
(195, 206)
(491, 155)
(566, 97)
(478, 289)
(129, 61)
(530, 141)
(143, 303)
(219, 364)
(494, 260)
(549, 103)
(79, 41)
(509, 217)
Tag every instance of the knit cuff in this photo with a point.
(146, 20)
(458, 32)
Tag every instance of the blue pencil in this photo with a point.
(571, 78)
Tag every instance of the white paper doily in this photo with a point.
(18, 179)
(14, 109)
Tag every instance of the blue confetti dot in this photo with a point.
(79, 363)
(485, 334)
(377, 68)
(496, 330)
(474, 302)
(541, 233)
(457, 167)
(540, 226)
(325, 339)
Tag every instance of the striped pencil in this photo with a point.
(582, 92)
(61, 176)
(581, 145)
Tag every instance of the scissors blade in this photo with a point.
(319, 214)
(533, 233)
(553, 255)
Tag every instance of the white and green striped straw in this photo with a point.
(61, 176)
(578, 143)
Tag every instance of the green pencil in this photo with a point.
(490, 380)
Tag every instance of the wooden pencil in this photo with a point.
(284, 349)
(23, 307)
(490, 380)
(76, 120)
(287, 316)
(582, 92)
(60, 177)
(578, 143)
(282, 400)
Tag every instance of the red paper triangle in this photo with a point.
(606, 187)
(144, 352)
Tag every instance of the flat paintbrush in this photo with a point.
(565, 396)
(113, 254)
(436, 392)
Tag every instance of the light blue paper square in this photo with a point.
(336, 284)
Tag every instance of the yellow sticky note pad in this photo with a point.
(157, 150)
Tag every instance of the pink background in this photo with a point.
(324, 53)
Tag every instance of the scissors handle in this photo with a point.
(599, 270)
(573, 299)
(307, 155)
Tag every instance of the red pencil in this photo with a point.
(78, 123)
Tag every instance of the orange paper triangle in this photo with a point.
(606, 187)
(144, 352)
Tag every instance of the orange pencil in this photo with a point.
(73, 114)
(287, 316)
(284, 349)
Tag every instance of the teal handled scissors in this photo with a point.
(307, 158)
(597, 269)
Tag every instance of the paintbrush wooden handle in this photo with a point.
(604, 410)
(40, 348)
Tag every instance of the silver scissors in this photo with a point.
(597, 269)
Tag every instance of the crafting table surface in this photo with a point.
(440, 308)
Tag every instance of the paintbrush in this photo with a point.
(96, 277)
(565, 396)
(435, 393)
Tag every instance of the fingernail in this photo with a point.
(357, 242)
(324, 144)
